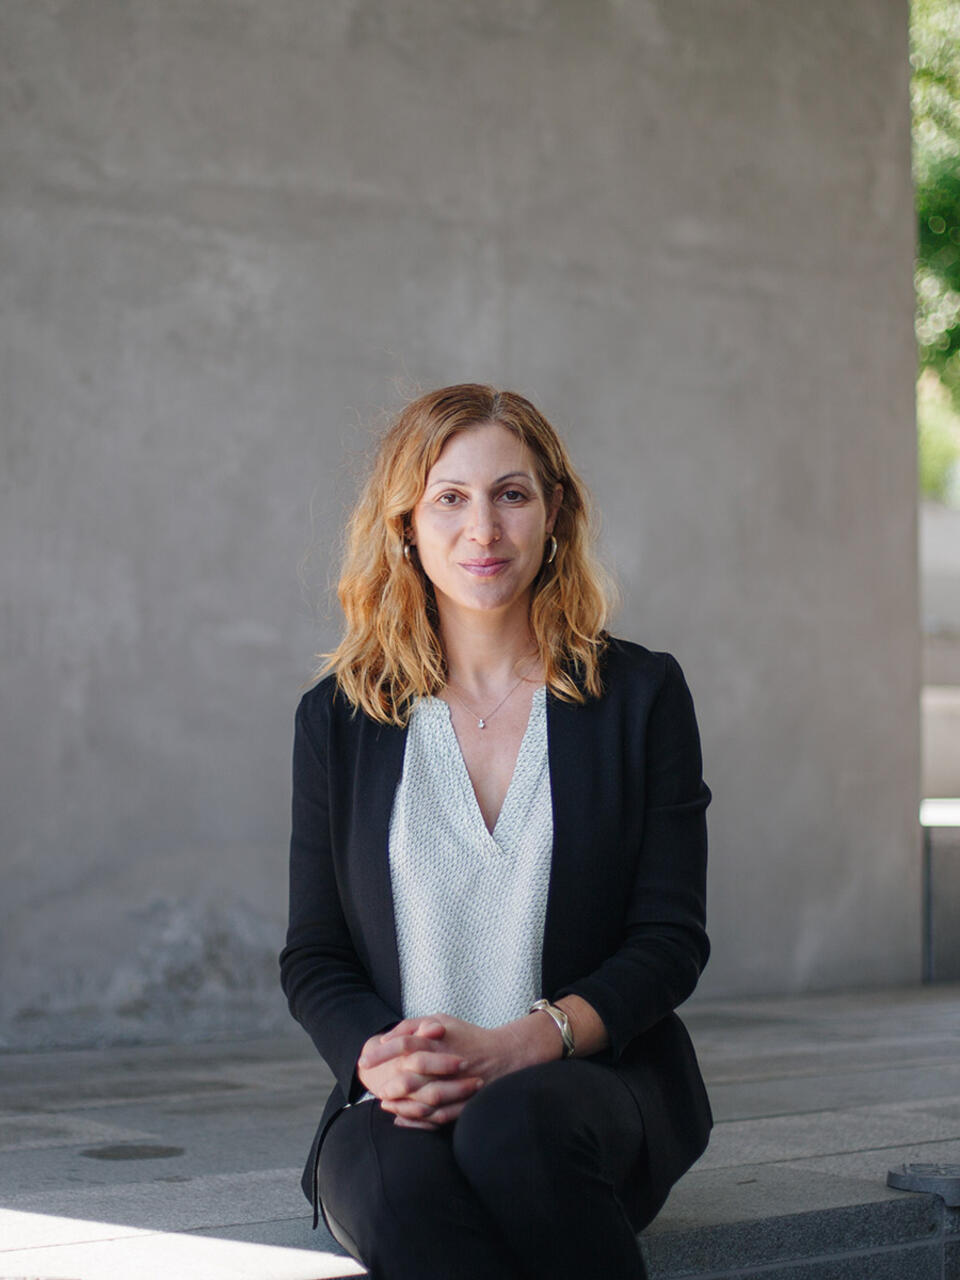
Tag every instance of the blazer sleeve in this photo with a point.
(327, 987)
(664, 943)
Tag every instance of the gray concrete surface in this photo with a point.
(939, 533)
(939, 530)
(815, 1099)
(232, 230)
(941, 739)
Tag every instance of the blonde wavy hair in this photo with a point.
(391, 654)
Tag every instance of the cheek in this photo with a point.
(430, 531)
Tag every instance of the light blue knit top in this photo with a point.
(469, 905)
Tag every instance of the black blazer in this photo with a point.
(625, 909)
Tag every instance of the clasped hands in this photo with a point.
(425, 1070)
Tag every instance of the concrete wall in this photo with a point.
(231, 230)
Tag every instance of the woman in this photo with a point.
(497, 873)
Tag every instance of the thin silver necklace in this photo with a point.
(482, 720)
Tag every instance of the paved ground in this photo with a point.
(182, 1161)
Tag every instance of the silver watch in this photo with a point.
(562, 1021)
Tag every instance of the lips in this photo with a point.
(483, 568)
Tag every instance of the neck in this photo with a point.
(485, 653)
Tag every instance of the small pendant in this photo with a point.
(481, 724)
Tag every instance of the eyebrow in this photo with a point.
(524, 475)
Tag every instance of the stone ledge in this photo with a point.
(903, 1237)
(899, 1239)
(815, 1098)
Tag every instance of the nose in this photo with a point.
(485, 527)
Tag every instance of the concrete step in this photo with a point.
(917, 1239)
(901, 1237)
(182, 1160)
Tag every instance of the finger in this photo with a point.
(437, 1093)
(406, 1027)
(404, 1084)
(428, 1067)
(400, 1086)
(407, 1108)
(416, 1026)
(429, 1089)
(374, 1054)
(431, 1063)
(414, 1109)
(398, 1045)
(437, 1119)
(421, 1103)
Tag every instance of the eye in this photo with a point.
(514, 495)
(448, 499)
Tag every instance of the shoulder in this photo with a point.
(648, 687)
(631, 668)
(327, 716)
(319, 698)
(321, 705)
(636, 682)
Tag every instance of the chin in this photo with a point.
(491, 601)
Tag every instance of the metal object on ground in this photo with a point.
(936, 1179)
(934, 812)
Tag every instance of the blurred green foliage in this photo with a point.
(935, 93)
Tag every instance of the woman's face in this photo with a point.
(481, 526)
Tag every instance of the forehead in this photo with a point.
(487, 447)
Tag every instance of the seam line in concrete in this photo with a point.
(79, 1244)
(248, 1222)
(721, 1081)
(144, 1233)
(912, 1105)
(860, 1107)
(826, 1155)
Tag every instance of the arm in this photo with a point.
(326, 986)
(422, 1102)
(664, 946)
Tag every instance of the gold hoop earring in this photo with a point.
(553, 550)
(406, 552)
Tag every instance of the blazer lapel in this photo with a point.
(570, 752)
(577, 791)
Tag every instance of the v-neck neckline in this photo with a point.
(463, 773)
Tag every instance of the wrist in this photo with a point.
(561, 1020)
(531, 1040)
(543, 1037)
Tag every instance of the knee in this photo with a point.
(412, 1182)
(375, 1180)
(514, 1124)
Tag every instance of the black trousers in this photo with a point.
(523, 1184)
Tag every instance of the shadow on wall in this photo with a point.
(188, 970)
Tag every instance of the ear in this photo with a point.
(553, 507)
